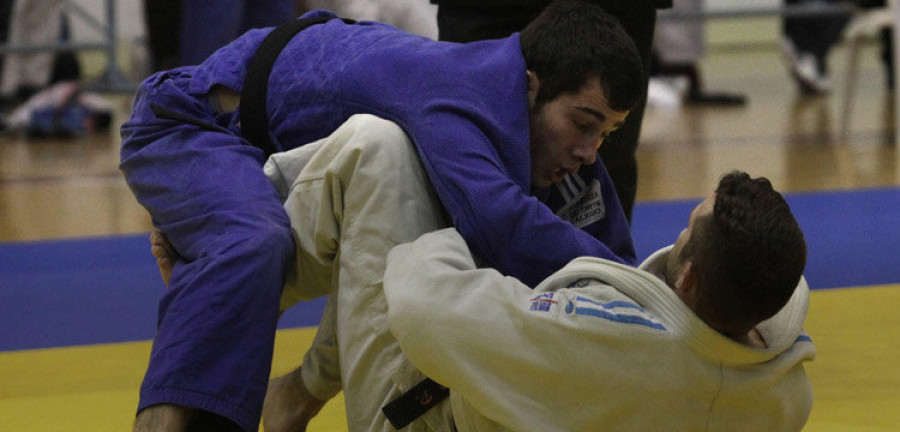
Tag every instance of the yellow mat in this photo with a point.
(855, 376)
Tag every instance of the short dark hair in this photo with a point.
(749, 254)
(571, 42)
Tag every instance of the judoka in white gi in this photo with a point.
(602, 346)
(706, 335)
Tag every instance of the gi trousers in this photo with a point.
(204, 187)
(351, 197)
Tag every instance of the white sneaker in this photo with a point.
(664, 93)
(805, 70)
(809, 78)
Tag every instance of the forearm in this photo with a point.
(467, 328)
(451, 302)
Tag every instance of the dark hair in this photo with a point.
(749, 254)
(572, 41)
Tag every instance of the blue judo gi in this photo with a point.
(464, 106)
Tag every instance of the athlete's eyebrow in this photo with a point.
(599, 115)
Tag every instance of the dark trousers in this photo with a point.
(163, 19)
(5, 14)
(814, 34)
(471, 23)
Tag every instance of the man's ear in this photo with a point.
(686, 284)
(533, 85)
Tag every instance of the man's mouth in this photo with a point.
(560, 173)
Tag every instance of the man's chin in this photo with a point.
(541, 184)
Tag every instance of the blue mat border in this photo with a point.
(105, 289)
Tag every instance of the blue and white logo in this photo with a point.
(618, 311)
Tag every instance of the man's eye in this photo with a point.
(584, 127)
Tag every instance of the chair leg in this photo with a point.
(853, 48)
(895, 7)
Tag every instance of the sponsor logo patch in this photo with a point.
(542, 302)
(584, 202)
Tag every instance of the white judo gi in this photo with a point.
(596, 346)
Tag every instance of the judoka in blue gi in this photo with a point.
(507, 131)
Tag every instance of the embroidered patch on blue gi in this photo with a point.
(584, 201)
(542, 302)
(619, 311)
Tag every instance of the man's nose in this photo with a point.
(587, 153)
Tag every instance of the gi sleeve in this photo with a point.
(477, 331)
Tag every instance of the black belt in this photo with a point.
(255, 126)
(415, 402)
(254, 118)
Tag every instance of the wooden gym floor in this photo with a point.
(52, 190)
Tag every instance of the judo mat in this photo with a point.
(77, 317)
